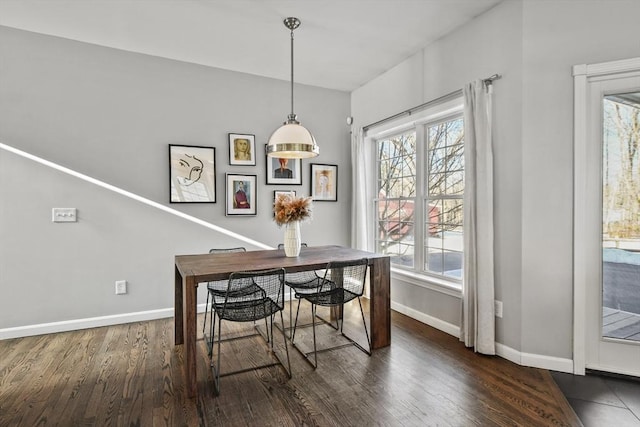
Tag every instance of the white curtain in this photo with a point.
(361, 185)
(477, 328)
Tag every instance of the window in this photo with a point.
(420, 188)
(443, 200)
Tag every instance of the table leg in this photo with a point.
(189, 309)
(177, 308)
(380, 308)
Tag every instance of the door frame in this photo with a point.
(582, 74)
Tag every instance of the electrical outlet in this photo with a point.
(121, 287)
(498, 308)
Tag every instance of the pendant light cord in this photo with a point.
(292, 116)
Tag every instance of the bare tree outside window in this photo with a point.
(445, 190)
(396, 196)
(621, 169)
(439, 197)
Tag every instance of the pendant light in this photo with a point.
(292, 140)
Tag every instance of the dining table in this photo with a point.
(193, 270)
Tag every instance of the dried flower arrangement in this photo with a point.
(288, 209)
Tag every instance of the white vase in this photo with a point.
(292, 239)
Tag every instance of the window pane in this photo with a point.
(452, 264)
(433, 217)
(396, 193)
(452, 239)
(445, 190)
(401, 254)
(388, 149)
(437, 161)
(391, 187)
(455, 183)
(437, 184)
(455, 155)
(384, 209)
(452, 212)
(409, 186)
(447, 263)
(436, 137)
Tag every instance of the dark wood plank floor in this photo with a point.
(132, 375)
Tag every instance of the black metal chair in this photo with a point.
(299, 282)
(216, 287)
(343, 281)
(250, 296)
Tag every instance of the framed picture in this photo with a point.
(324, 182)
(192, 174)
(284, 171)
(242, 149)
(241, 194)
(277, 193)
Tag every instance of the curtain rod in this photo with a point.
(456, 93)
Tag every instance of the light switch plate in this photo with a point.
(64, 215)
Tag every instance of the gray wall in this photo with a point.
(111, 114)
(533, 44)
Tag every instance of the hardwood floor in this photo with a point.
(132, 375)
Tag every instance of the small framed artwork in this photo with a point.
(284, 171)
(192, 174)
(277, 193)
(242, 149)
(324, 182)
(241, 194)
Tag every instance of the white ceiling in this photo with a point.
(341, 44)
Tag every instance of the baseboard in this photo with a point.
(547, 362)
(434, 322)
(508, 353)
(524, 359)
(534, 360)
(92, 322)
(515, 356)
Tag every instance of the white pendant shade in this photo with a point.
(292, 141)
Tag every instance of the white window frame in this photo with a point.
(417, 121)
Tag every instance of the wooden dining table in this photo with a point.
(191, 270)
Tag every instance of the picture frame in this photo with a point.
(284, 171)
(324, 182)
(241, 194)
(242, 149)
(192, 174)
(277, 193)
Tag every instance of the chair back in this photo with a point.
(253, 295)
(281, 245)
(349, 275)
(227, 250)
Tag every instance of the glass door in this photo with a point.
(611, 232)
(621, 217)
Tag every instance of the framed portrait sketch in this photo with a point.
(284, 171)
(241, 194)
(324, 182)
(192, 174)
(277, 193)
(242, 149)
